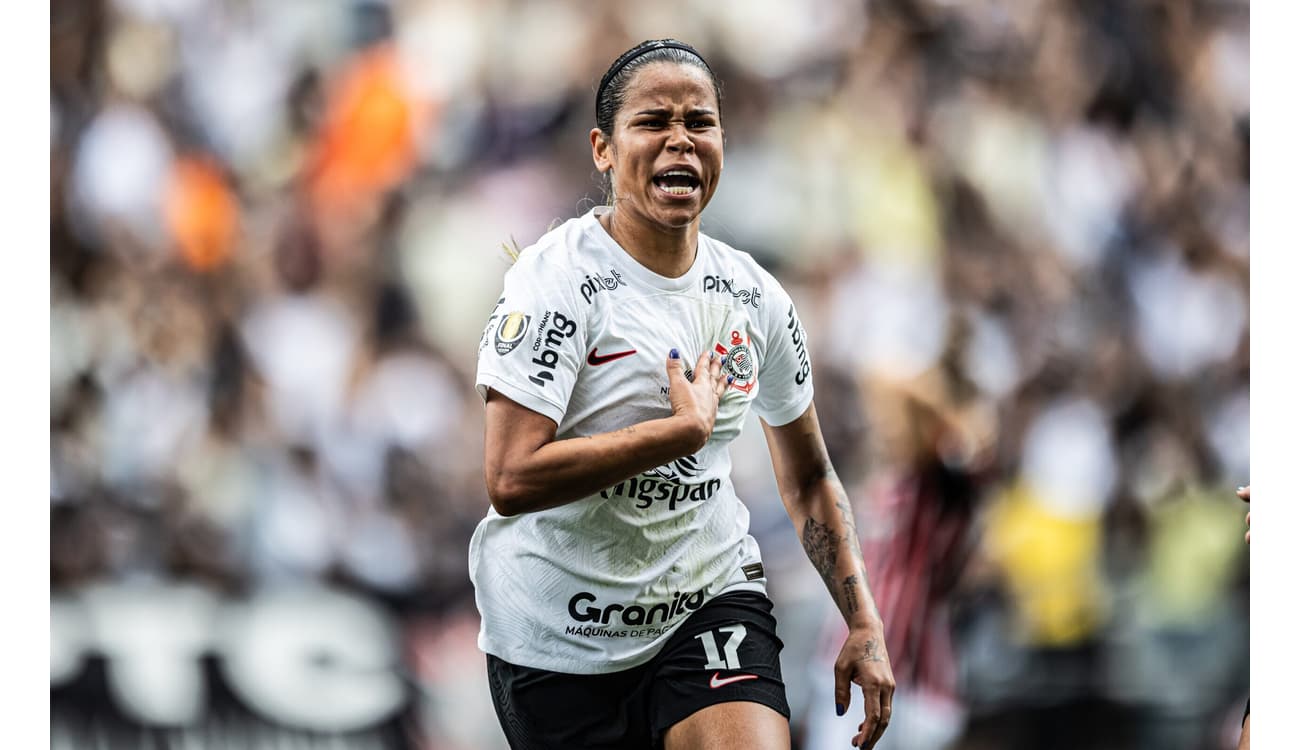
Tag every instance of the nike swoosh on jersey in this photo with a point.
(718, 680)
(595, 359)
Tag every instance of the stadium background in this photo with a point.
(1017, 233)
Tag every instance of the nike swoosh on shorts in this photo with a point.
(718, 680)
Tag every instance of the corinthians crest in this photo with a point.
(740, 361)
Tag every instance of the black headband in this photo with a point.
(636, 52)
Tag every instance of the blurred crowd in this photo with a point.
(1017, 233)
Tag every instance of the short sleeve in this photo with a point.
(785, 379)
(531, 345)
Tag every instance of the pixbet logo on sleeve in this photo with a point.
(593, 285)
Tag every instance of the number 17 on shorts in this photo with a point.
(730, 636)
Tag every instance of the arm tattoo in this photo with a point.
(822, 544)
(849, 604)
(851, 537)
(822, 547)
(850, 597)
(851, 531)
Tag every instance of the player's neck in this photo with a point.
(668, 251)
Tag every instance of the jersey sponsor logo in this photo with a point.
(686, 466)
(551, 333)
(595, 284)
(585, 607)
(728, 286)
(511, 332)
(596, 360)
(798, 337)
(648, 490)
(717, 680)
(740, 362)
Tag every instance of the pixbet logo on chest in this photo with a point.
(728, 286)
(551, 332)
(595, 284)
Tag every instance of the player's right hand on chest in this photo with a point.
(694, 393)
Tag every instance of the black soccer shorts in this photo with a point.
(727, 650)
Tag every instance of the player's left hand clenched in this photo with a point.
(863, 661)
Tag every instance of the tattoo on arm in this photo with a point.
(851, 531)
(822, 547)
(850, 597)
(822, 544)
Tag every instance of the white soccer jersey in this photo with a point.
(581, 334)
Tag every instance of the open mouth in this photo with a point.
(678, 183)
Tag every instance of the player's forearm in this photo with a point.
(823, 519)
(563, 471)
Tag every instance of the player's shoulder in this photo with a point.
(550, 253)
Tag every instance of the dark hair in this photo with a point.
(613, 85)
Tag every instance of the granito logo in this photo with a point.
(647, 490)
(798, 336)
(594, 284)
(551, 332)
(728, 286)
(583, 607)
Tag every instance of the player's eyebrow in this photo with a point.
(663, 112)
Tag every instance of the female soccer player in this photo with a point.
(623, 599)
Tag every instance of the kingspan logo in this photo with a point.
(684, 467)
(648, 489)
(584, 607)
